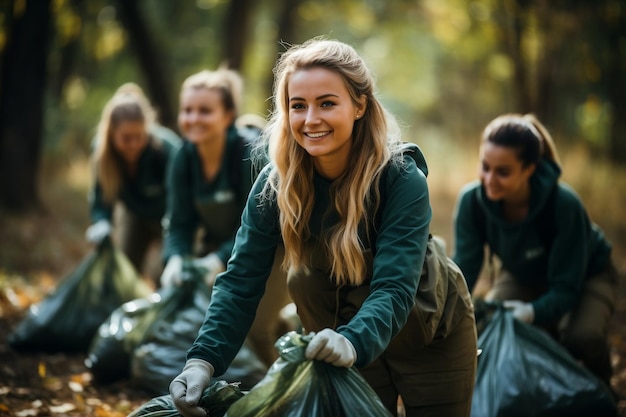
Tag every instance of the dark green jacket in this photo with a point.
(145, 194)
(215, 206)
(399, 248)
(578, 248)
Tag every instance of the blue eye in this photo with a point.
(328, 104)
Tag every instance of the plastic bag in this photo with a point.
(524, 372)
(68, 318)
(296, 387)
(215, 399)
(109, 354)
(147, 340)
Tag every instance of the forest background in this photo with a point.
(444, 67)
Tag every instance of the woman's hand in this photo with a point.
(212, 266)
(522, 311)
(173, 272)
(98, 231)
(330, 346)
(187, 388)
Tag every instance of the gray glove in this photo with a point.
(173, 272)
(98, 231)
(522, 311)
(332, 347)
(212, 266)
(186, 389)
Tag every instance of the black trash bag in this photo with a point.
(162, 353)
(67, 319)
(215, 399)
(109, 354)
(296, 387)
(147, 339)
(524, 372)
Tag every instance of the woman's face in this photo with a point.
(202, 117)
(129, 139)
(502, 173)
(321, 117)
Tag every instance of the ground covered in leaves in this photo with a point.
(38, 384)
(39, 249)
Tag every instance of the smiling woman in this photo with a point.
(211, 177)
(350, 202)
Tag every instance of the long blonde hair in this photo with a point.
(375, 136)
(127, 104)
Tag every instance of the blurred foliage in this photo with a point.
(450, 65)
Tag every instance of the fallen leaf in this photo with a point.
(75, 386)
(27, 413)
(63, 408)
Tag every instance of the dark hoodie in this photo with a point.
(577, 251)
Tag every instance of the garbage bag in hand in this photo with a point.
(67, 319)
(295, 387)
(524, 372)
(147, 340)
(215, 399)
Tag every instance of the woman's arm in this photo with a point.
(237, 291)
(400, 251)
(469, 239)
(181, 220)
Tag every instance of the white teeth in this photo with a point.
(316, 135)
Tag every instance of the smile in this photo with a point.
(315, 135)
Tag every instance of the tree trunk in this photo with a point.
(287, 23)
(543, 98)
(616, 29)
(522, 86)
(23, 84)
(69, 52)
(152, 63)
(512, 16)
(235, 32)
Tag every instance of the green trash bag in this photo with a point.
(68, 318)
(215, 399)
(523, 372)
(296, 387)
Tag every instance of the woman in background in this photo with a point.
(131, 157)
(210, 180)
(556, 271)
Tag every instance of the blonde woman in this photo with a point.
(351, 205)
(131, 156)
(210, 180)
